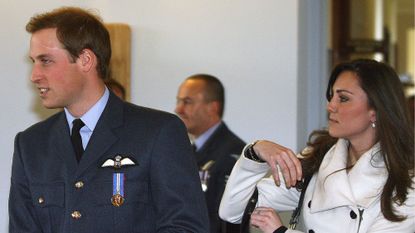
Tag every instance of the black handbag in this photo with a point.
(248, 211)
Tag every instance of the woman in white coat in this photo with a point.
(362, 171)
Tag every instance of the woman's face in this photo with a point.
(350, 116)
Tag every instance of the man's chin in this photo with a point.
(51, 106)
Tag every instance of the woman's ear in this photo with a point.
(372, 115)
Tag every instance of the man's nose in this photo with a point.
(36, 75)
(179, 107)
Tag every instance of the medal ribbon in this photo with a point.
(118, 184)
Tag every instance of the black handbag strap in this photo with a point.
(296, 213)
(254, 198)
(248, 211)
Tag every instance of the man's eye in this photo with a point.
(184, 102)
(187, 101)
(45, 61)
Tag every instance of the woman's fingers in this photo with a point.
(275, 173)
(287, 162)
(266, 219)
(292, 168)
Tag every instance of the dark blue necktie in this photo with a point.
(76, 139)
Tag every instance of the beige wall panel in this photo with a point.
(121, 54)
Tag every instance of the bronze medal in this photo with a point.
(117, 200)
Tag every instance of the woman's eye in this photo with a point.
(343, 99)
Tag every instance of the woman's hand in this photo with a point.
(265, 219)
(285, 158)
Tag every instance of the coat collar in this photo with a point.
(219, 130)
(360, 187)
(102, 138)
(104, 135)
(205, 153)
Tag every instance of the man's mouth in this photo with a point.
(43, 90)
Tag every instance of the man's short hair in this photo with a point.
(214, 90)
(77, 29)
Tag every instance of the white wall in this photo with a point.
(250, 45)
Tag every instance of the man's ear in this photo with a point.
(214, 107)
(87, 60)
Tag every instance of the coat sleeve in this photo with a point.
(245, 175)
(175, 185)
(22, 215)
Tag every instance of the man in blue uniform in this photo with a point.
(200, 104)
(101, 165)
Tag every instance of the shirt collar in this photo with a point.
(90, 118)
(201, 140)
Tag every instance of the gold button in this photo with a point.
(76, 214)
(41, 200)
(79, 184)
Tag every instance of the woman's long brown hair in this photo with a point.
(394, 130)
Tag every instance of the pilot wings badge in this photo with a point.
(118, 162)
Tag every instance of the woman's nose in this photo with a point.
(331, 106)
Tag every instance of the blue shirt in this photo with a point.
(90, 118)
(201, 140)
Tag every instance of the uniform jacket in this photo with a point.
(335, 201)
(48, 185)
(223, 147)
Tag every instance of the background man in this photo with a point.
(200, 104)
(126, 179)
(116, 88)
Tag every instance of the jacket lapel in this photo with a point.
(61, 144)
(368, 177)
(332, 188)
(335, 187)
(103, 136)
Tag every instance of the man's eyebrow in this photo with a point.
(183, 98)
(39, 57)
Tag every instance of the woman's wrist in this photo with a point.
(250, 153)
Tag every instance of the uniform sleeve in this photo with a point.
(22, 215)
(245, 175)
(175, 185)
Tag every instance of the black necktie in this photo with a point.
(76, 139)
(194, 148)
